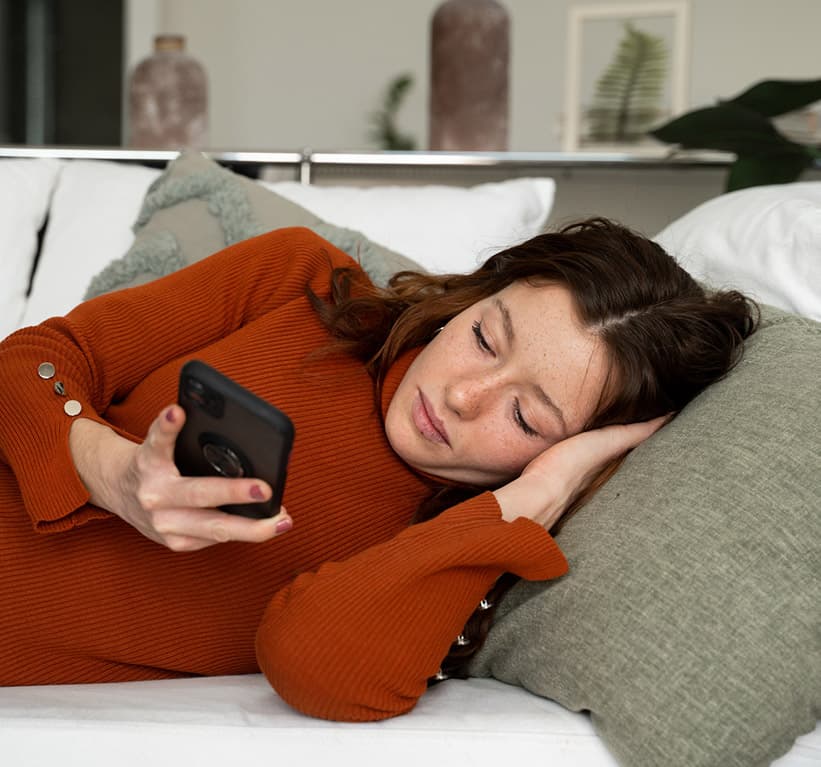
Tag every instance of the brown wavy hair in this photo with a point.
(666, 337)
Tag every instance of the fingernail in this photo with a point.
(284, 525)
(169, 415)
(256, 493)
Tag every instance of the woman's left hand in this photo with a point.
(556, 477)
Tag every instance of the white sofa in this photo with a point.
(62, 221)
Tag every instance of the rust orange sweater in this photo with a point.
(348, 614)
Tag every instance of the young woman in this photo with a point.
(480, 407)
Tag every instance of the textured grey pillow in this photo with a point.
(689, 624)
(196, 207)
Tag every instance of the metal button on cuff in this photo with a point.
(46, 371)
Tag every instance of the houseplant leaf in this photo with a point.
(384, 130)
(749, 171)
(742, 125)
(777, 97)
(727, 127)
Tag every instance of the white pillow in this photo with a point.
(765, 241)
(445, 229)
(94, 206)
(442, 228)
(25, 189)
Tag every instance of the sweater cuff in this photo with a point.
(529, 550)
(53, 493)
(54, 496)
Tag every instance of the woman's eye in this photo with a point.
(520, 419)
(481, 341)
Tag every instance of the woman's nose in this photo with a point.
(468, 396)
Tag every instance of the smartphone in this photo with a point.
(230, 432)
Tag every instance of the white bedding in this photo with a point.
(240, 720)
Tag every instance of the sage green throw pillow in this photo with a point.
(689, 625)
(196, 207)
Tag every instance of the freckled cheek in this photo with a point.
(504, 453)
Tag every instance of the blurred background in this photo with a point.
(288, 74)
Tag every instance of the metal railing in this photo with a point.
(306, 161)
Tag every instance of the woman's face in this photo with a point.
(504, 380)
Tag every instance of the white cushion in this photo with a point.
(442, 228)
(25, 189)
(239, 719)
(211, 722)
(94, 206)
(765, 241)
(445, 229)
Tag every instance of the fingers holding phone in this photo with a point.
(182, 512)
(230, 432)
(210, 470)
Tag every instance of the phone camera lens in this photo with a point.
(196, 391)
(203, 397)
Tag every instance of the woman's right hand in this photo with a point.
(141, 485)
(550, 483)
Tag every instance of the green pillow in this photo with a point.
(689, 623)
(196, 207)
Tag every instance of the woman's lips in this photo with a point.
(425, 420)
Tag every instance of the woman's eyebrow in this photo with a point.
(510, 335)
(507, 323)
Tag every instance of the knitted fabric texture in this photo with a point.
(348, 614)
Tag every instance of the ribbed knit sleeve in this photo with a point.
(107, 346)
(358, 640)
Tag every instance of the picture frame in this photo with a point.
(627, 72)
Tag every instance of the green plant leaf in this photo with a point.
(627, 94)
(384, 130)
(728, 127)
(777, 97)
(742, 126)
(396, 91)
(749, 171)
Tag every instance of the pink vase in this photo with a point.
(168, 99)
(469, 62)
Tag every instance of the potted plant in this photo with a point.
(384, 130)
(743, 125)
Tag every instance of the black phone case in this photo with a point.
(229, 431)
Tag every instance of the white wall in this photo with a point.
(287, 74)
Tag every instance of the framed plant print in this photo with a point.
(627, 72)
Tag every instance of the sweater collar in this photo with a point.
(395, 375)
